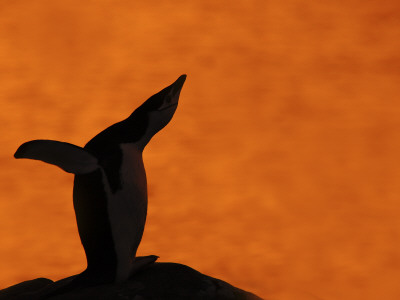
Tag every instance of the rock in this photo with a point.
(24, 287)
(158, 281)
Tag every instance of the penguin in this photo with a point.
(110, 187)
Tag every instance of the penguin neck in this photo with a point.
(142, 143)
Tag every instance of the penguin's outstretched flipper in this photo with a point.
(70, 158)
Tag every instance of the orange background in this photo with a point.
(280, 170)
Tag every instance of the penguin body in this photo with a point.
(120, 218)
(110, 187)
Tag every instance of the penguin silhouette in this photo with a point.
(110, 187)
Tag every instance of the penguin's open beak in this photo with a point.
(173, 92)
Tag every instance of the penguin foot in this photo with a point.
(141, 262)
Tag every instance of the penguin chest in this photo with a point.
(127, 208)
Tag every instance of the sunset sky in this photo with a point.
(280, 170)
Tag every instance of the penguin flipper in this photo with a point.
(69, 157)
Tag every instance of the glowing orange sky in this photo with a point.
(279, 172)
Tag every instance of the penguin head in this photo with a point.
(149, 118)
(159, 108)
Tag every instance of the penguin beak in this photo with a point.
(173, 92)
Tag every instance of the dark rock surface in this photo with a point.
(158, 281)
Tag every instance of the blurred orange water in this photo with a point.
(279, 172)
